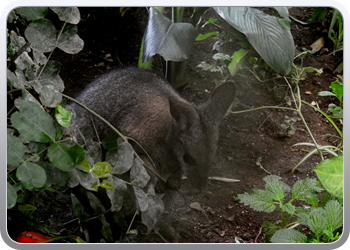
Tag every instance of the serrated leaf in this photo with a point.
(67, 14)
(333, 213)
(275, 187)
(116, 196)
(63, 116)
(271, 39)
(330, 173)
(306, 189)
(138, 174)
(32, 13)
(69, 41)
(41, 34)
(258, 200)
(15, 150)
(288, 236)
(65, 157)
(121, 159)
(289, 208)
(33, 123)
(317, 221)
(102, 169)
(11, 196)
(31, 175)
(173, 41)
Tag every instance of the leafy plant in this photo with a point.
(337, 91)
(323, 221)
(41, 159)
(261, 30)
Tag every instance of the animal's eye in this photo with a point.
(189, 160)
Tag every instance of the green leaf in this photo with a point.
(121, 159)
(265, 33)
(173, 41)
(80, 177)
(116, 196)
(85, 164)
(65, 157)
(288, 236)
(31, 175)
(333, 213)
(11, 196)
(317, 221)
(33, 123)
(32, 13)
(337, 88)
(55, 177)
(325, 93)
(63, 116)
(69, 41)
(102, 169)
(305, 189)
(237, 61)
(110, 141)
(275, 187)
(289, 208)
(259, 200)
(201, 37)
(151, 216)
(41, 34)
(15, 150)
(49, 96)
(330, 173)
(79, 209)
(138, 174)
(106, 184)
(141, 198)
(67, 14)
(310, 70)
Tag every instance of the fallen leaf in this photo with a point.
(196, 206)
(316, 46)
(308, 92)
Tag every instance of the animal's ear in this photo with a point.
(182, 114)
(221, 101)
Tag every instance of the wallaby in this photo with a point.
(179, 137)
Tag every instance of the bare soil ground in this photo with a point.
(112, 41)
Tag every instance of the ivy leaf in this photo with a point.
(138, 174)
(15, 150)
(31, 175)
(67, 14)
(116, 196)
(65, 157)
(32, 13)
(11, 196)
(33, 123)
(69, 41)
(41, 34)
(121, 159)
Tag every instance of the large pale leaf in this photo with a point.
(31, 175)
(50, 96)
(269, 35)
(32, 13)
(41, 34)
(330, 173)
(138, 174)
(173, 41)
(11, 196)
(69, 41)
(65, 157)
(33, 123)
(121, 159)
(15, 150)
(67, 14)
(116, 196)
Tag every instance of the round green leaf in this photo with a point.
(11, 196)
(41, 34)
(15, 150)
(31, 175)
(63, 116)
(65, 157)
(330, 173)
(102, 169)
